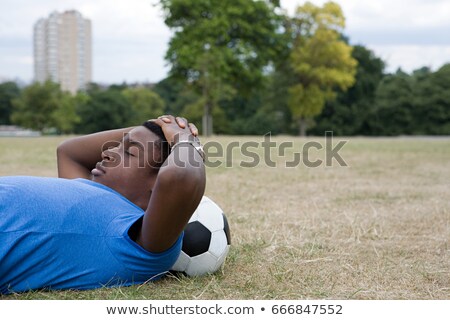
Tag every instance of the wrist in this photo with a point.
(181, 137)
(192, 143)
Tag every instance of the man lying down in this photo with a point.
(114, 216)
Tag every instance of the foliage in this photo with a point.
(320, 59)
(103, 109)
(432, 101)
(175, 95)
(8, 92)
(194, 112)
(65, 115)
(254, 70)
(144, 103)
(220, 46)
(117, 106)
(349, 113)
(394, 106)
(44, 106)
(413, 104)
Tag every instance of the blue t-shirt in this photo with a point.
(71, 234)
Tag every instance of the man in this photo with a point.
(115, 216)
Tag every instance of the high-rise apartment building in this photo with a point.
(63, 50)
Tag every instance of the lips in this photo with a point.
(98, 170)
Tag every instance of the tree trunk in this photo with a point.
(207, 121)
(207, 117)
(303, 126)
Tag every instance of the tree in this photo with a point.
(417, 103)
(394, 104)
(220, 47)
(65, 115)
(44, 106)
(261, 112)
(144, 103)
(349, 112)
(174, 94)
(8, 92)
(320, 58)
(431, 92)
(103, 109)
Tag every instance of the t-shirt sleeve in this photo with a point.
(144, 265)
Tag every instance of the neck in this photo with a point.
(142, 201)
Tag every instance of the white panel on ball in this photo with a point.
(202, 264)
(218, 243)
(194, 216)
(182, 263)
(212, 221)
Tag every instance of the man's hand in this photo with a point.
(176, 128)
(178, 188)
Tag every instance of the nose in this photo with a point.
(110, 154)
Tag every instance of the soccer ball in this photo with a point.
(206, 241)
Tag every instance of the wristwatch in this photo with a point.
(196, 144)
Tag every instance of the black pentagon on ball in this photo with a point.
(226, 228)
(196, 239)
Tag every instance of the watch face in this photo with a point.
(201, 151)
(196, 144)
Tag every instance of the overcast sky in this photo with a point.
(130, 37)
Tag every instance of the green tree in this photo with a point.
(102, 109)
(261, 112)
(180, 99)
(65, 116)
(174, 94)
(431, 91)
(44, 106)
(220, 47)
(320, 58)
(8, 92)
(144, 103)
(394, 106)
(194, 112)
(417, 103)
(348, 114)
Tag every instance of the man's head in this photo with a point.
(161, 144)
(131, 167)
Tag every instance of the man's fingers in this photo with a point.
(158, 121)
(166, 118)
(193, 129)
(182, 122)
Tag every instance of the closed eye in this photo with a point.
(129, 153)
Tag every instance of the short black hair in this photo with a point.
(162, 144)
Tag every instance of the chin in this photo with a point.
(97, 179)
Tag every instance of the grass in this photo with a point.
(376, 229)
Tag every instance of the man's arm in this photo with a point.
(76, 157)
(178, 189)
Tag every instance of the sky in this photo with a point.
(130, 38)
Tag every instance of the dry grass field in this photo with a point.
(376, 229)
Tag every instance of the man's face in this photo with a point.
(127, 168)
